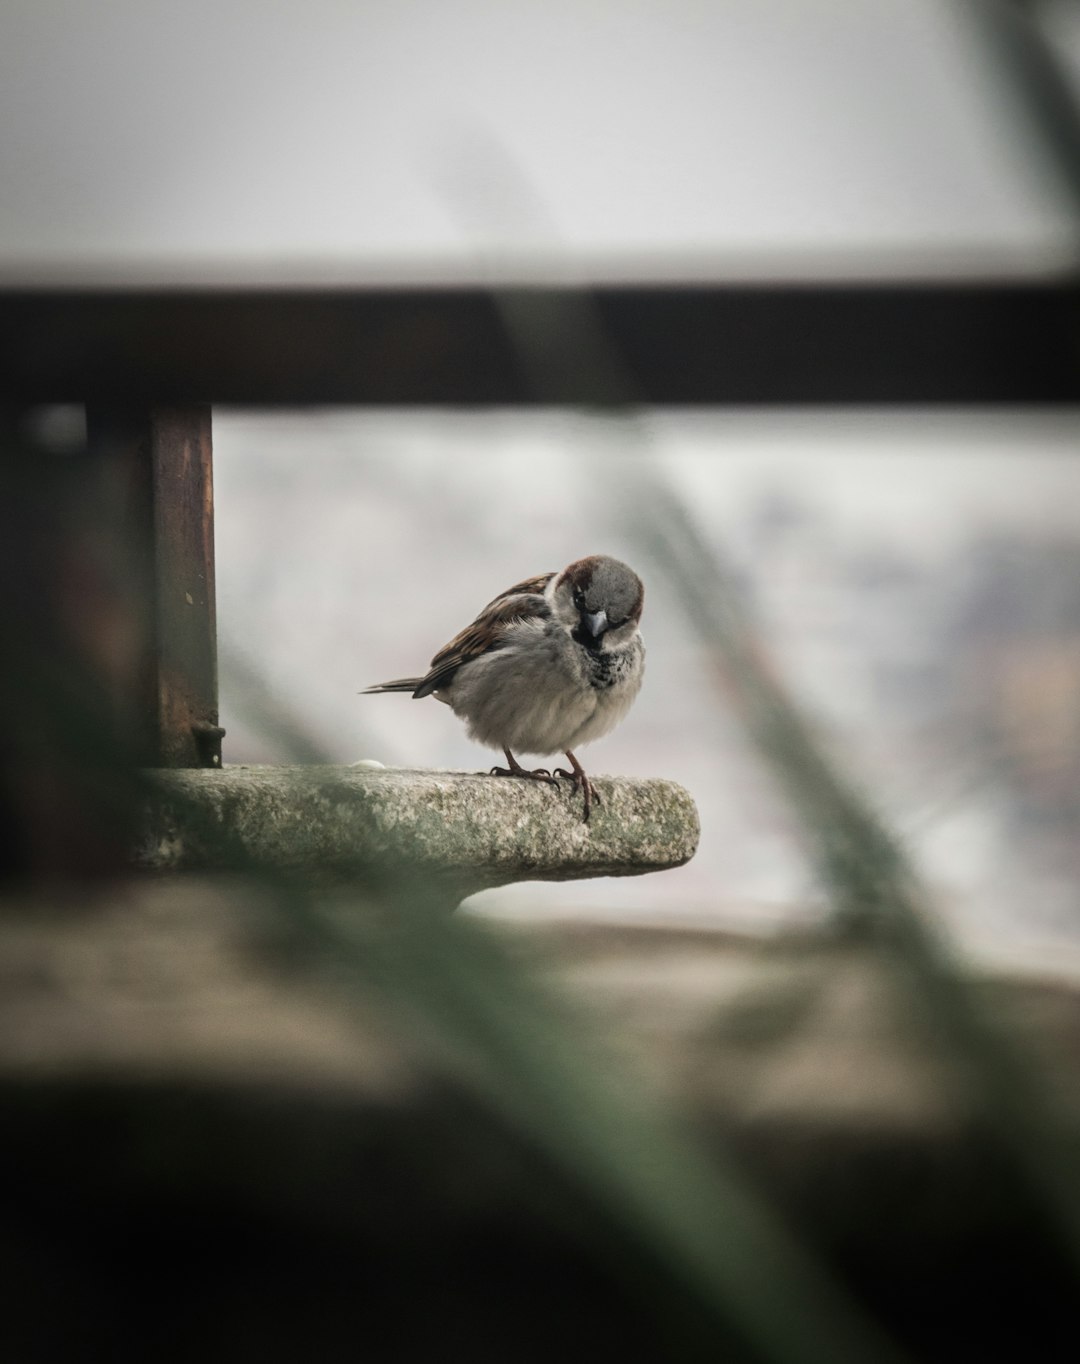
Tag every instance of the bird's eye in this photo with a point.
(579, 598)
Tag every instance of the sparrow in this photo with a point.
(551, 663)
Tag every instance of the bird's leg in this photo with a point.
(581, 783)
(515, 769)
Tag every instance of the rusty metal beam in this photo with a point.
(163, 457)
(915, 342)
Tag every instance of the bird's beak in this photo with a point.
(595, 622)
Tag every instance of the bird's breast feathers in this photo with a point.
(543, 693)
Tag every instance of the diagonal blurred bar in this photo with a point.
(1034, 74)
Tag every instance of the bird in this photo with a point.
(553, 662)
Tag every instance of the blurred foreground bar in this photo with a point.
(210, 1154)
(996, 342)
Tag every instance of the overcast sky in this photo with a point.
(262, 139)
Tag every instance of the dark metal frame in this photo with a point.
(1001, 342)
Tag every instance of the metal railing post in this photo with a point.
(164, 457)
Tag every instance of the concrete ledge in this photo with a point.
(470, 831)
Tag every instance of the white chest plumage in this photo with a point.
(545, 695)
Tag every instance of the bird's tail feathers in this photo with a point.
(409, 684)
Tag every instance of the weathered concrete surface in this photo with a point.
(468, 831)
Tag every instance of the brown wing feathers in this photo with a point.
(517, 603)
(528, 587)
(520, 602)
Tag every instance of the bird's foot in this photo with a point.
(581, 783)
(537, 774)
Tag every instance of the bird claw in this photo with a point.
(537, 774)
(578, 777)
(585, 786)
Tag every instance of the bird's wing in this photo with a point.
(523, 601)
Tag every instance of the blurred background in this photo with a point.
(916, 578)
(267, 142)
(913, 574)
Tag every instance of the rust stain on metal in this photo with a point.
(186, 623)
(166, 456)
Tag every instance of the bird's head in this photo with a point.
(599, 601)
